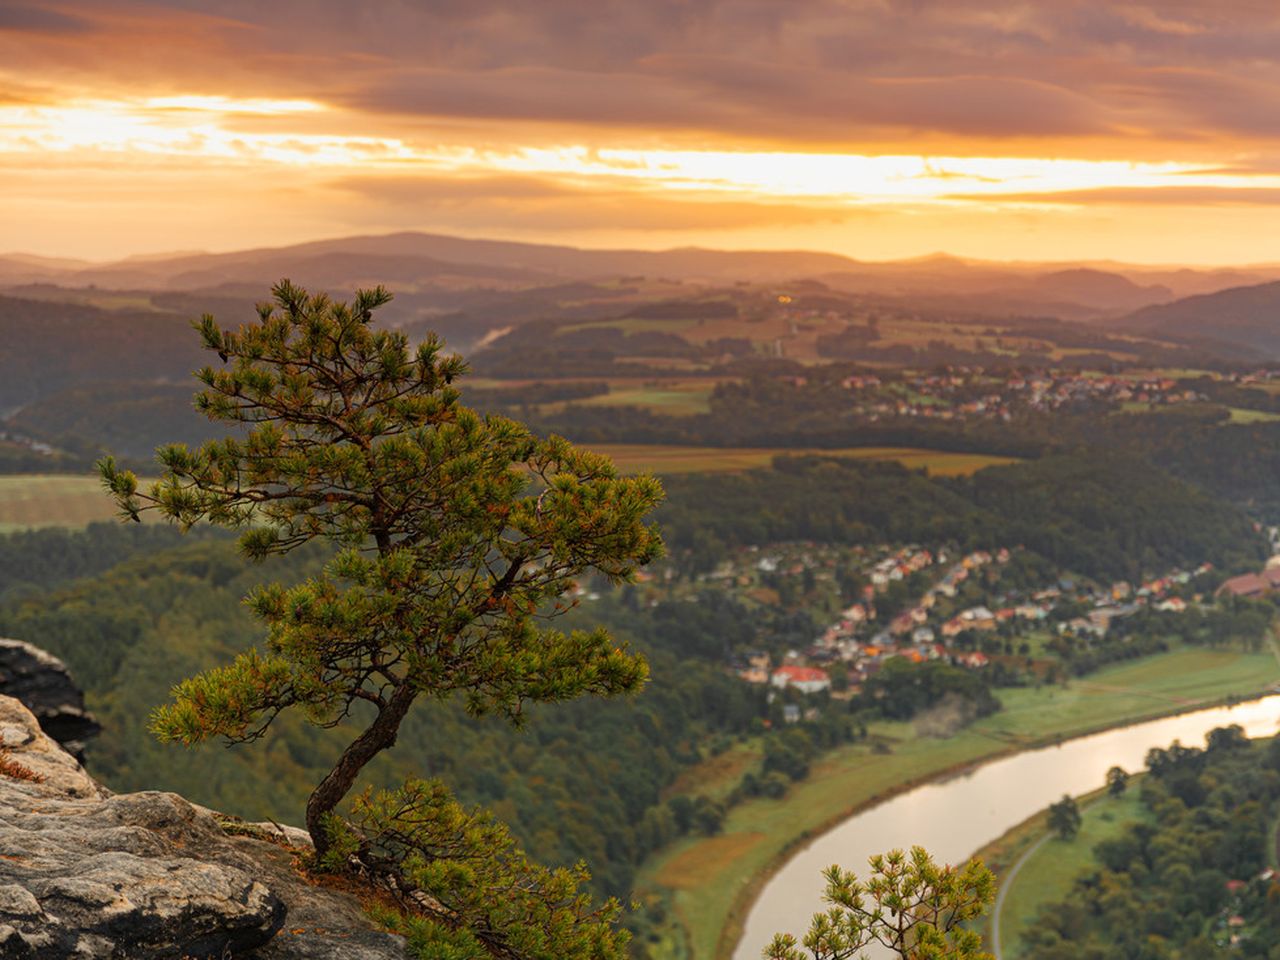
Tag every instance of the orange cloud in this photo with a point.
(726, 118)
(548, 204)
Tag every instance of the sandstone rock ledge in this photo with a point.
(43, 684)
(86, 874)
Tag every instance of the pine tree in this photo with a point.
(457, 537)
(909, 905)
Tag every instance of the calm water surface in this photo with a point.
(956, 817)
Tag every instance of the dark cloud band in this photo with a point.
(813, 71)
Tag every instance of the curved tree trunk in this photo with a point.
(379, 735)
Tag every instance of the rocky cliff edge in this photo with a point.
(87, 874)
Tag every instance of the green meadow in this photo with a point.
(711, 881)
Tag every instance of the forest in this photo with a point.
(1102, 516)
(132, 609)
(1189, 879)
(132, 613)
(135, 608)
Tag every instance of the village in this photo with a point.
(963, 613)
(968, 393)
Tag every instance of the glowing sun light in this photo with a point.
(202, 129)
(231, 105)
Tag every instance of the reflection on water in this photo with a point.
(954, 818)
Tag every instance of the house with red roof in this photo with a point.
(804, 679)
(1246, 585)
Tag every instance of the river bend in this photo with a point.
(952, 818)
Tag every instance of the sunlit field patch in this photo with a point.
(660, 459)
(40, 500)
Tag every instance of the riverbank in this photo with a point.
(1034, 867)
(713, 881)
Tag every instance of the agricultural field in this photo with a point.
(660, 459)
(103, 299)
(1066, 353)
(1240, 415)
(630, 325)
(71, 500)
(797, 336)
(710, 879)
(674, 397)
(1169, 373)
(56, 500)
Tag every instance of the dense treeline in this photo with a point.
(1187, 880)
(1234, 395)
(1193, 442)
(583, 781)
(813, 498)
(548, 349)
(1107, 517)
(49, 346)
(33, 561)
(127, 418)
(1235, 461)
(765, 411)
(809, 408)
(22, 458)
(1227, 621)
(901, 690)
(849, 343)
(1111, 515)
(531, 394)
(1239, 462)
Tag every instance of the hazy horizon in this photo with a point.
(1042, 131)
(160, 254)
(861, 392)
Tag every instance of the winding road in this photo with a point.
(1004, 889)
(955, 816)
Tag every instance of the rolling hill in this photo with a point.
(409, 257)
(1244, 318)
(49, 347)
(414, 261)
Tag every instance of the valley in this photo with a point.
(906, 533)
(681, 480)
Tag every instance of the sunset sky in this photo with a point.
(1045, 129)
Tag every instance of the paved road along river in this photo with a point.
(955, 817)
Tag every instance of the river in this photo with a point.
(955, 817)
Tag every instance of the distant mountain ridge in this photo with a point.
(413, 258)
(436, 254)
(1243, 316)
(136, 310)
(1093, 287)
(51, 346)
